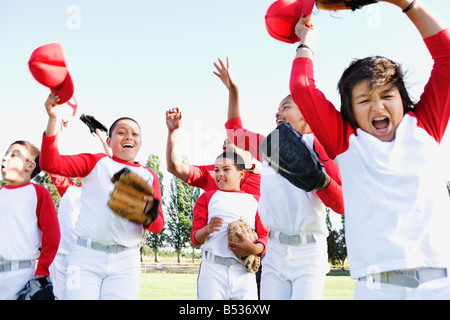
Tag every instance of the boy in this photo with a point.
(68, 211)
(396, 203)
(28, 221)
(105, 261)
(222, 276)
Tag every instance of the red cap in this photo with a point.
(283, 15)
(48, 67)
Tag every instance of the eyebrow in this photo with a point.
(127, 127)
(11, 151)
(287, 102)
(391, 88)
(222, 166)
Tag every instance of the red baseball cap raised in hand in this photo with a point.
(282, 17)
(48, 66)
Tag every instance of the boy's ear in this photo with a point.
(31, 165)
(108, 142)
(241, 174)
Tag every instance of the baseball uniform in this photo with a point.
(221, 275)
(296, 260)
(105, 262)
(396, 203)
(29, 231)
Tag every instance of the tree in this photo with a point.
(44, 179)
(150, 239)
(180, 208)
(337, 250)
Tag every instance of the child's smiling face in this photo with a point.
(125, 141)
(227, 175)
(378, 111)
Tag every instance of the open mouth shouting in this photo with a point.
(381, 125)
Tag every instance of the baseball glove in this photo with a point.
(92, 123)
(127, 198)
(37, 289)
(251, 262)
(288, 154)
(343, 4)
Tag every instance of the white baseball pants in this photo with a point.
(221, 282)
(294, 272)
(11, 282)
(97, 275)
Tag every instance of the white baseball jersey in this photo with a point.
(397, 209)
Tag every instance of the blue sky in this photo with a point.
(140, 57)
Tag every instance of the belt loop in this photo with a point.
(14, 265)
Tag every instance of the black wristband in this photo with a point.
(409, 7)
(305, 46)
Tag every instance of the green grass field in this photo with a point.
(183, 286)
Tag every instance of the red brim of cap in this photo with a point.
(282, 17)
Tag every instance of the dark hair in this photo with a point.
(378, 71)
(33, 153)
(115, 123)
(238, 161)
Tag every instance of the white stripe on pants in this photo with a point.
(94, 274)
(294, 272)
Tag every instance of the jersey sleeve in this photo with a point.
(52, 161)
(243, 138)
(325, 120)
(332, 196)
(49, 226)
(200, 177)
(157, 225)
(263, 233)
(61, 183)
(200, 216)
(433, 108)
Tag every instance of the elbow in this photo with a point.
(171, 167)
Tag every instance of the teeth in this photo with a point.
(379, 118)
(128, 146)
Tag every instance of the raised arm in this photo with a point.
(224, 74)
(52, 124)
(433, 108)
(425, 21)
(323, 118)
